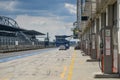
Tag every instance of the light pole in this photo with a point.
(79, 14)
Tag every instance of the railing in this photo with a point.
(25, 36)
(12, 48)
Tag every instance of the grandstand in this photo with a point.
(14, 38)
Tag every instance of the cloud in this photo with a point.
(8, 5)
(71, 8)
(54, 25)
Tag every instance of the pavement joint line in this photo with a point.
(70, 72)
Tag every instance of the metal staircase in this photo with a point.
(25, 37)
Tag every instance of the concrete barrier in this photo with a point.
(13, 48)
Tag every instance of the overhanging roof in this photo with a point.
(15, 29)
(62, 36)
(33, 32)
(9, 28)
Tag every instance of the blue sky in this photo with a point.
(53, 16)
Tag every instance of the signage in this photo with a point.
(16, 42)
(84, 18)
(107, 33)
(107, 40)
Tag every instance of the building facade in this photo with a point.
(100, 36)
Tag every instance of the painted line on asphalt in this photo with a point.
(63, 73)
(7, 77)
(70, 72)
(23, 55)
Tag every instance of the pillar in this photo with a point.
(118, 26)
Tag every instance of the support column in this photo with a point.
(108, 62)
(118, 26)
(93, 41)
(115, 39)
(97, 39)
(89, 42)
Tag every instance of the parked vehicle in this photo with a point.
(62, 47)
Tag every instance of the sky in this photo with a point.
(53, 16)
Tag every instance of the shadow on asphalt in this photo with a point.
(107, 76)
(92, 60)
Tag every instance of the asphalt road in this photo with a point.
(4, 57)
(52, 64)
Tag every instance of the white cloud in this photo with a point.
(53, 25)
(71, 8)
(8, 5)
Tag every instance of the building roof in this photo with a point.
(10, 25)
(15, 29)
(62, 36)
(9, 28)
(33, 32)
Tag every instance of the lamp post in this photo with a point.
(79, 14)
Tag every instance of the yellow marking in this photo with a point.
(7, 77)
(63, 73)
(71, 66)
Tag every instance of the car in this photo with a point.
(62, 47)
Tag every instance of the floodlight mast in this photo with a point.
(79, 14)
(79, 18)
